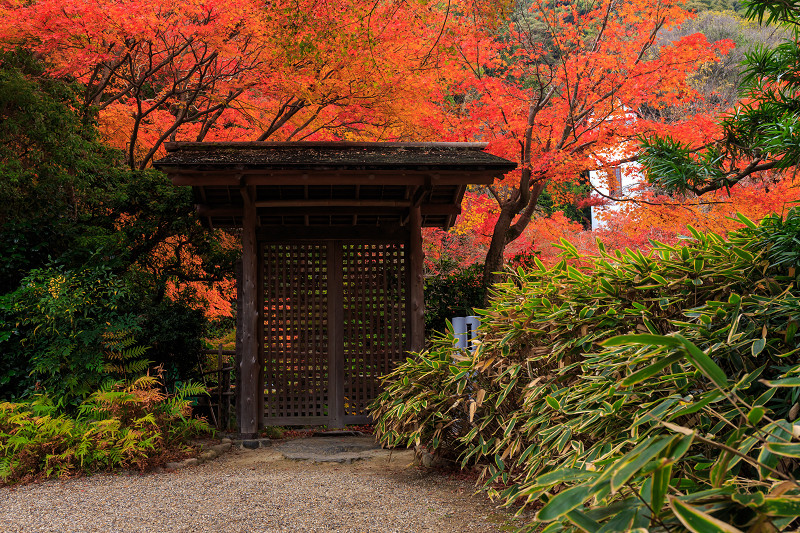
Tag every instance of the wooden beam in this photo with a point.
(335, 335)
(387, 209)
(440, 209)
(333, 203)
(218, 178)
(235, 211)
(421, 192)
(457, 198)
(416, 295)
(249, 369)
(376, 234)
(239, 348)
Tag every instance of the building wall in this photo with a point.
(617, 182)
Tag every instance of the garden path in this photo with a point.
(258, 491)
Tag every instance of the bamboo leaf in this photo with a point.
(785, 382)
(660, 487)
(755, 415)
(697, 521)
(655, 340)
(704, 362)
(784, 506)
(630, 468)
(564, 502)
(784, 449)
(582, 521)
(552, 402)
(757, 346)
(650, 370)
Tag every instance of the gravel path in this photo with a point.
(256, 491)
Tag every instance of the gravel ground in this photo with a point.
(256, 491)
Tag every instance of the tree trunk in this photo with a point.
(493, 266)
(506, 232)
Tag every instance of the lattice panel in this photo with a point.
(374, 319)
(295, 330)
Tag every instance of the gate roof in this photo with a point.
(330, 184)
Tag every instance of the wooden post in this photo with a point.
(220, 416)
(237, 361)
(416, 293)
(261, 355)
(249, 369)
(335, 336)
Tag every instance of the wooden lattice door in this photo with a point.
(374, 288)
(334, 322)
(295, 332)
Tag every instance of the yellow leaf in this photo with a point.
(479, 397)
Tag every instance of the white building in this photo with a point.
(619, 181)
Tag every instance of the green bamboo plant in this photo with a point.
(654, 391)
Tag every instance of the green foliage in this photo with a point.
(55, 173)
(55, 324)
(123, 357)
(681, 421)
(781, 236)
(450, 295)
(127, 426)
(714, 5)
(174, 333)
(274, 432)
(551, 198)
(69, 207)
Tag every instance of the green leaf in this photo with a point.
(650, 370)
(758, 346)
(661, 479)
(658, 279)
(704, 362)
(655, 340)
(582, 521)
(785, 382)
(779, 431)
(719, 472)
(564, 502)
(786, 450)
(552, 402)
(628, 469)
(784, 506)
(749, 500)
(744, 254)
(697, 521)
(622, 521)
(755, 415)
(746, 221)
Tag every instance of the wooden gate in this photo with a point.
(334, 321)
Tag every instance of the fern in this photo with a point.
(122, 358)
(122, 424)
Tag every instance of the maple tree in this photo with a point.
(239, 70)
(664, 218)
(560, 89)
(153, 72)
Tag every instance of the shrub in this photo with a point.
(174, 332)
(120, 425)
(450, 295)
(53, 332)
(684, 420)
